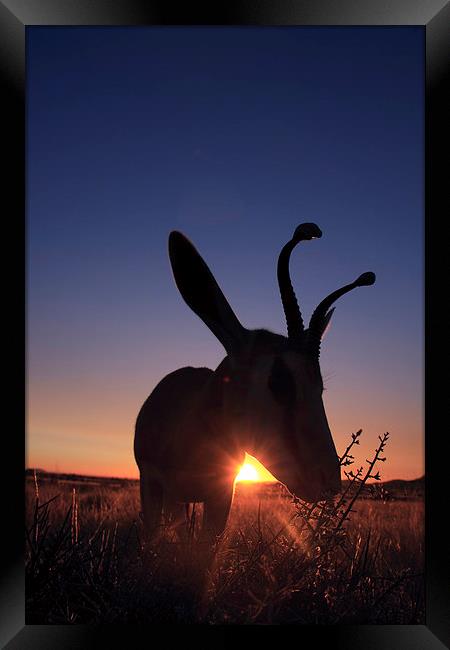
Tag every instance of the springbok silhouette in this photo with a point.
(264, 398)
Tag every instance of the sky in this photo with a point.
(233, 136)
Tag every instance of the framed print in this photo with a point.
(207, 444)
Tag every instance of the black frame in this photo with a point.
(434, 17)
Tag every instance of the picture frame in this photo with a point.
(434, 17)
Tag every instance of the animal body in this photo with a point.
(264, 398)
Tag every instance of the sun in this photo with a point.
(247, 473)
(254, 471)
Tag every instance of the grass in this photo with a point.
(358, 559)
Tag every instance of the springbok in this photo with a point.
(264, 398)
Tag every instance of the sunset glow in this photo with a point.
(252, 470)
(247, 473)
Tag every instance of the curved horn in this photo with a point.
(292, 312)
(321, 315)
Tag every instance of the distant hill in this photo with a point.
(400, 484)
(395, 489)
(43, 475)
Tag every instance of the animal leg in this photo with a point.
(151, 503)
(175, 517)
(216, 510)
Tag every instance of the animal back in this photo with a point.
(167, 405)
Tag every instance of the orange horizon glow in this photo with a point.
(83, 433)
(251, 471)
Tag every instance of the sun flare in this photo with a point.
(247, 473)
(253, 470)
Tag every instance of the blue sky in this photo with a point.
(233, 136)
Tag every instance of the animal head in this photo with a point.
(268, 389)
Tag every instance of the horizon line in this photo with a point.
(126, 478)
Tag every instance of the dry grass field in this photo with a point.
(357, 560)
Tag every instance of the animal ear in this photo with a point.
(201, 292)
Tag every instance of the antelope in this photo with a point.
(264, 398)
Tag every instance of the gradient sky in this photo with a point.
(233, 136)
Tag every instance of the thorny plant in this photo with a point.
(315, 568)
(325, 520)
